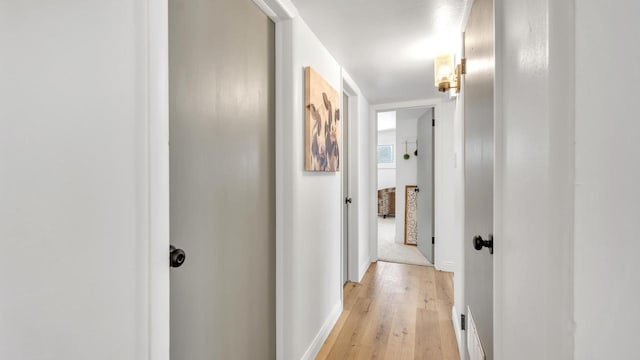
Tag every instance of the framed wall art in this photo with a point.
(322, 124)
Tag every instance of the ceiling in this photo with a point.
(410, 114)
(387, 46)
(387, 120)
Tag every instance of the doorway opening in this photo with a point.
(404, 157)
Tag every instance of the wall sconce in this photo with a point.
(447, 75)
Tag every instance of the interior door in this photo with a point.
(345, 188)
(425, 184)
(74, 181)
(222, 172)
(479, 151)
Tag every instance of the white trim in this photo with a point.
(158, 178)
(363, 269)
(465, 16)
(373, 185)
(281, 79)
(280, 11)
(448, 266)
(455, 318)
(350, 89)
(373, 164)
(325, 330)
(475, 349)
(277, 10)
(348, 85)
(407, 104)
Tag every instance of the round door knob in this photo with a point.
(176, 256)
(479, 243)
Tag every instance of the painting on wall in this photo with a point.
(322, 124)
(411, 215)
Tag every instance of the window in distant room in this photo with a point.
(385, 154)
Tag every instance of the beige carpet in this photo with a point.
(389, 250)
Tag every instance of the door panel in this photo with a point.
(222, 150)
(345, 188)
(425, 184)
(479, 150)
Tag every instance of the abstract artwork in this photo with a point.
(411, 215)
(322, 124)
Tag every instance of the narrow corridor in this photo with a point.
(397, 312)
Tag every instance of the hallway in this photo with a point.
(391, 251)
(189, 180)
(397, 312)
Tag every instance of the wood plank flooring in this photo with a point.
(397, 312)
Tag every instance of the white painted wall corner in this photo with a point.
(363, 269)
(448, 266)
(324, 332)
(455, 318)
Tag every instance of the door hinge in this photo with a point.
(433, 122)
(463, 322)
(433, 240)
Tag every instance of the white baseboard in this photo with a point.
(474, 347)
(448, 266)
(363, 269)
(325, 330)
(455, 318)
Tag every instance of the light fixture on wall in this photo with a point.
(447, 75)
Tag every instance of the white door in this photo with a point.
(75, 109)
(222, 149)
(425, 184)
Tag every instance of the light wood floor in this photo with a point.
(397, 312)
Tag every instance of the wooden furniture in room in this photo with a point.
(387, 202)
(410, 215)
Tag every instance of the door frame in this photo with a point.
(345, 213)
(158, 293)
(373, 165)
(157, 124)
(348, 89)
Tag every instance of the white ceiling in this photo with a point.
(387, 120)
(410, 114)
(387, 46)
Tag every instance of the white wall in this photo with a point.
(80, 85)
(309, 204)
(607, 192)
(533, 205)
(312, 203)
(406, 170)
(387, 172)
